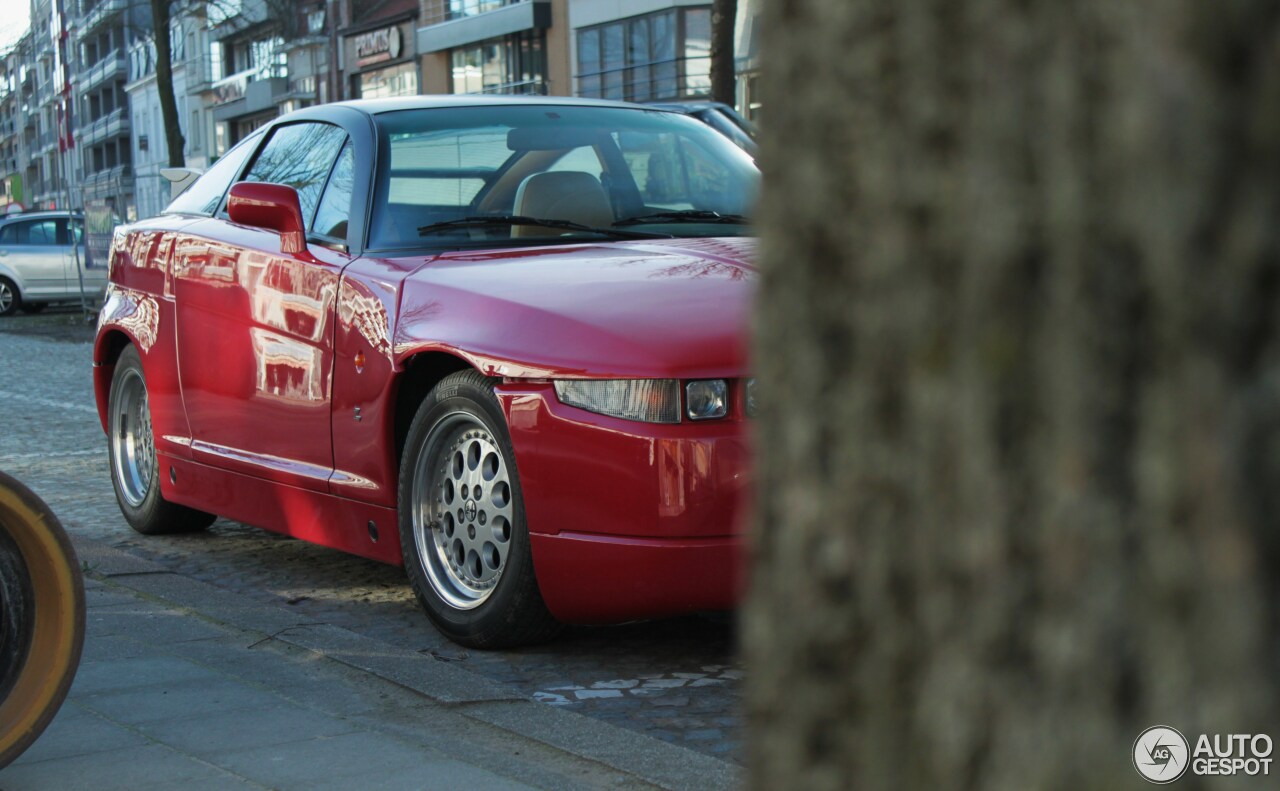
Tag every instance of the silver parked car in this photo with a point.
(38, 264)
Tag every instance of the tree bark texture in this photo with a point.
(174, 142)
(724, 83)
(1019, 456)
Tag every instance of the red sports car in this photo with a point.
(502, 342)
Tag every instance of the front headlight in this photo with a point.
(751, 397)
(646, 400)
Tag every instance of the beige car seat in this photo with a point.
(561, 195)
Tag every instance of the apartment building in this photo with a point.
(105, 32)
(13, 157)
(272, 57)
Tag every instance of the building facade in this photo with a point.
(495, 46)
(273, 57)
(80, 116)
(379, 51)
(641, 50)
(104, 33)
(13, 155)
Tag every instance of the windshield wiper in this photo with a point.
(506, 221)
(686, 215)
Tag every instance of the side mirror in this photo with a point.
(274, 207)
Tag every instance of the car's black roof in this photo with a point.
(376, 106)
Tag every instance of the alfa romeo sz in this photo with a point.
(499, 341)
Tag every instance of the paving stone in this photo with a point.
(149, 766)
(113, 675)
(180, 699)
(241, 730)
(75, 732)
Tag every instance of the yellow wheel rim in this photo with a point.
(57, 631)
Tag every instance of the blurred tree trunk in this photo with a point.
(174, 141)
(1018, 339)
(724, 16)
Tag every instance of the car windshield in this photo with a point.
(609, 172)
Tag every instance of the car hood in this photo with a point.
(651, 309)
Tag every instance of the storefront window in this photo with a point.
(513, 64)
(652, 57)
(399, 80)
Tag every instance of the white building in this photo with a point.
(190, 52)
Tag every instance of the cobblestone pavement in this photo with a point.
(678, 680)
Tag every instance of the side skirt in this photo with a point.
(316, 517)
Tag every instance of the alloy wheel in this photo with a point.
(133, 450)
(462, 510)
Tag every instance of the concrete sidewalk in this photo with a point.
(186, 685)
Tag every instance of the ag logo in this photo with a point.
(1161, 754)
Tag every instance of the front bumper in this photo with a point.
(629, 520)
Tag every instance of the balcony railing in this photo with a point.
(112, 65)
(102, 11)
(107, 178)
(110, 125)
(680, 78)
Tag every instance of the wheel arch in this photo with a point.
(107, 348)
(420, 373)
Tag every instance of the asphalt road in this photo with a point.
(677, 680)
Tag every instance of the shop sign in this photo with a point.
(377, 46)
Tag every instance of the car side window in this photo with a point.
(204, 196)
(32, 232)
(299, 156)
(335, 206)
(44, 232)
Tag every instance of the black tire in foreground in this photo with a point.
(135, 469)
(41, 617)
(462, 528)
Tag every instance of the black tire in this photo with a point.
(10, 299)
(34, 307)
(135, 468)
(494, 603)
(41, 617)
